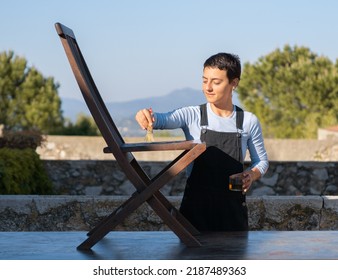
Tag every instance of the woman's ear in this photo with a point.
(235, 83)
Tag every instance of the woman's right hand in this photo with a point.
(145, 118)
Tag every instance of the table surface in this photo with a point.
(164, 245)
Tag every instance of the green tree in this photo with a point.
(27, 99)
(292, 91)
(84, 125)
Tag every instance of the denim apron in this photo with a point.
(207, 201)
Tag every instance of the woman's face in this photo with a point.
(217, 88)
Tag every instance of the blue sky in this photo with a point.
(146, 48)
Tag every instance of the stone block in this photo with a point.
(292, 212)
(256, 212)
(330, 213)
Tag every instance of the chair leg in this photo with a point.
(174, 224)
(146, 193)
(166, 204)
(132, 204)
(177, 214)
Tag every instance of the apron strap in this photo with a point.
(239, 116)
(204, 115)
(239, 125)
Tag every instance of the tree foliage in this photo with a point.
(84, 126)
(22, 172)
(292, 91)
(27, 99)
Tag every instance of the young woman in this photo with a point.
(228, 132)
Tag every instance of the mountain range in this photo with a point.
(123, 113)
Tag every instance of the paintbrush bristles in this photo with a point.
(150, 135)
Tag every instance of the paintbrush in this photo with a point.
(150, 134)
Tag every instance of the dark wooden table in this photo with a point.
(164, 245)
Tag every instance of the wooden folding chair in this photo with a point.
(147, 189)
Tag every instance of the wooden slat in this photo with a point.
(156, 146)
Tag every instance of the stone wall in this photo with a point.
(298, 192)
(90, 147)
(78, 213)
(104, 177)
(77, 165)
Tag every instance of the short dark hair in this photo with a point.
(226, 61)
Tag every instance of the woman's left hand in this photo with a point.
(247, 180)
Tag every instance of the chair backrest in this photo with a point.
(98, 109)
(88, 88)
(122, 151)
